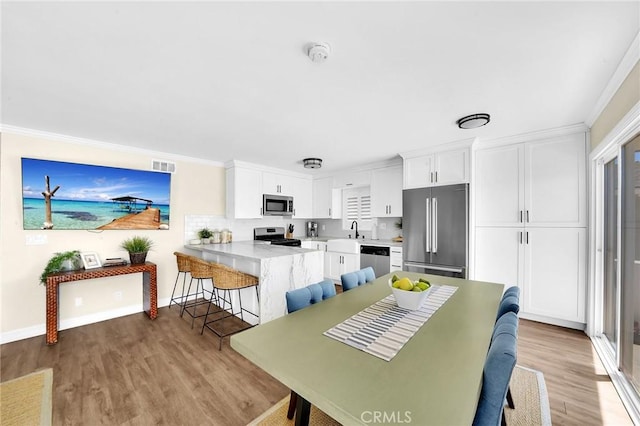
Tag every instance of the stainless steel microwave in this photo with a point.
(277, 205)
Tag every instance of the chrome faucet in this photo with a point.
(355, 223)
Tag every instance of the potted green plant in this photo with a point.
(399, 226)
(205, 235)
(137, 247)
(62, 261)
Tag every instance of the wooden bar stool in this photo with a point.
(200, 270)
(226, 280)
(183, 268)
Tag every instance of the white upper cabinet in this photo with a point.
(386, 192)
(497, 184)
(540, 183)
(278, 184)
(302, 197)
(555, 182)
(246, 184)
(327, 201)
(440, 168)
(346, 180)
(244, 193)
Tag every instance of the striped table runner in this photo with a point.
(383, 328)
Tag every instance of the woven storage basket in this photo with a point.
(223, 276)
(183, 261)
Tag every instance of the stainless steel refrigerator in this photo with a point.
(435, 230)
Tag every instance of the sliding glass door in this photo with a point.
(617, 290)
(630, 265)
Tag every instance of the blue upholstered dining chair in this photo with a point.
(299, 299)
(496, 375)
(354, 279)
(309, 295)
(510, 302)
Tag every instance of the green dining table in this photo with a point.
(435, 379)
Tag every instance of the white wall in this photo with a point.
(197, 188)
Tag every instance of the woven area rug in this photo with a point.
(530, 398)
(277, 416)
(27, 399)
(527, 388)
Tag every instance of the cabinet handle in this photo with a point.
(527, 237)
(329, 211)
(389, 208)
(520, 233)
(520, 216)
(260, 211)
(436, 177)
(431, 178)
(527, 216)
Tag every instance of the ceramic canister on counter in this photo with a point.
(216, 237)
(224, 236)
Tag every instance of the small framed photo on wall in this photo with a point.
(90, 260)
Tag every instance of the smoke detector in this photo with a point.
(318, 52)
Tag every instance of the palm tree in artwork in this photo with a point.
(48, 194)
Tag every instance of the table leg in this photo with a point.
(52, 312)
(150, 293)
(303, 409)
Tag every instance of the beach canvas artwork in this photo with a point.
(58, 195)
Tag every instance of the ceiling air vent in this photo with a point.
(163, 166)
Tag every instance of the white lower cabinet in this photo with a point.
(395, 259)
(548, 264)
(314, 245)
(336, 264)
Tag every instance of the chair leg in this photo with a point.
(510, 398)
(184, 305)
(199, 284)
(174, 290)
(504, 421)
(293, 400)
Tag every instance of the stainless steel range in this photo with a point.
(275, 235)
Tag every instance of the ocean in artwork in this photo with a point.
(73, 214)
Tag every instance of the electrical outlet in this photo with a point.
(78, 301)
(323, 228)
(383, 225)
(117, 295)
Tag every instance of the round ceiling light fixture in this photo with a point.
(312, 163)
(473, 121)
(318, 52)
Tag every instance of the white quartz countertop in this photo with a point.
(365, 241)
(248, 250)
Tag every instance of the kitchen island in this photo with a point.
(279, 269)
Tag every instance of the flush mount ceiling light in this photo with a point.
(473, 121)
(318, 52)
(312, 163)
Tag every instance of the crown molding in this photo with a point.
(629, 60)
(156, 155)
(531, 136)
(449, 146)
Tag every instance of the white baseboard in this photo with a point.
(553, 321)
(40, 329)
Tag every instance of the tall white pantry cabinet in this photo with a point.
(530, 224)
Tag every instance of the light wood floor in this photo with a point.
(133, 371)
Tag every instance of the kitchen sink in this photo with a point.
(343, 246)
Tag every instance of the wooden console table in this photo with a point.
(149, 290)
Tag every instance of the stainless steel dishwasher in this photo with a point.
(377, 257)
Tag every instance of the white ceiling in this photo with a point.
(230, 80)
